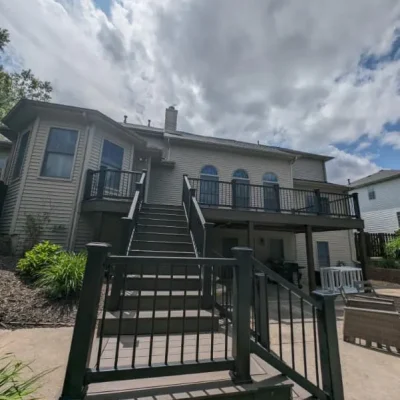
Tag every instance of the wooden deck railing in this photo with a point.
(273, 198)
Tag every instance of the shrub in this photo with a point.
(64, 277)
(389, 263)
(40, 257)
(392, 248)
(12, 385)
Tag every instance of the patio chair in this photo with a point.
(373, 326)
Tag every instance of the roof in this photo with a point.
(25, 104)
(380, 176)
(186, 136)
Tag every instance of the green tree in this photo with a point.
(17, 85)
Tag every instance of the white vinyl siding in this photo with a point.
(13, 186)
(341, 247)
(309, 169)
(50, 195)
(84, 231)
(383, 221)
(166, 183)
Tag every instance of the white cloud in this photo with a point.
(254, 70)
(392, 139)
(362, 146)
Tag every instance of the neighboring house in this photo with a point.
(379, 198)
(80, 167)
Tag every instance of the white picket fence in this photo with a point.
(333, 278)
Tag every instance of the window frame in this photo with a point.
(371, 191)
(58, 178)
(13, 176)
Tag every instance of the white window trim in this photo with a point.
(12, 167)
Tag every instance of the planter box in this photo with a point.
(384, 274)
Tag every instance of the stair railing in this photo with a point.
(225, 349)
(199, 231)
(128, 227)
(298, 335)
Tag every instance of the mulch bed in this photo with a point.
(22, 305)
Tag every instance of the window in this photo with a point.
(311, 204)
(323, 254)
(371, 194)
(209, 188)
(271, 195)
(111, 158)
(21, 155)
(59, 155)
(241, 189)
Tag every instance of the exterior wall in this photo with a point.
(383, 221)
(54, 196)
(341, 247)
(310, 169)
(14, 185)
(380, 215)
(85, 226)
(166, 184)
(261, 248)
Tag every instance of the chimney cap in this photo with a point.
(125, 118)
(171, 108)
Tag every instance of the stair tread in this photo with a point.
(163, 251)
(130, 314)
(160, 293)
(151, 276)
(163, 233)
(162, 226)
(160, 241)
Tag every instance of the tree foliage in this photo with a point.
(16, 85)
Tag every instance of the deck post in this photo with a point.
(310, 258)
(85, 323)
(241, 301)
(329, 347)
(363, 252)
(207, 300)
(101, 183)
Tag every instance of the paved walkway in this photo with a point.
(367, 374)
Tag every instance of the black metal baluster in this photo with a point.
(315, 345)
(103, 316)
(291, 328)
(137, 317)
(153, 317)
(121, 314)
(198, 314)
(184, 316)
(267, 310)
(278, 293)
(169, 315)
(226, 305)
(304, 336)
(214, 289)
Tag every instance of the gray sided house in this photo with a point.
(80, 168)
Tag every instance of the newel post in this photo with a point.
(88, 184)
(331, 371)
(85, 322)
(102, 182)
(357, 210)
(318, 208)
(241, 300)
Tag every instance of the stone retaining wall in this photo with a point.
(384, 274)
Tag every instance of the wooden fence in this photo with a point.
(375, 243)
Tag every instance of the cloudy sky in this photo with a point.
(317, 75)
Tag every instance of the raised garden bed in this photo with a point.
(384, 274)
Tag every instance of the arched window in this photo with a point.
(270, 177)
(209, 170)
(241, 174)
(240, 189)
(271, 192)
(209, 187)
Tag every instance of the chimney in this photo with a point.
(125, 118)
(171, 118)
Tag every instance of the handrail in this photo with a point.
(198, 210)
(286, 284)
